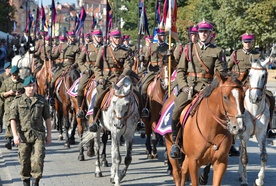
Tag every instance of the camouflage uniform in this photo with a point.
(6, 86)
(29, 112)
(86, 62)
(2, 78)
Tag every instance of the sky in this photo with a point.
(49, 2)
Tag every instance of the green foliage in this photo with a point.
(7, 15)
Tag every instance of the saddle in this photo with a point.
(107, 99)
(191, 108)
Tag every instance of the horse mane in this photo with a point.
(215, 83)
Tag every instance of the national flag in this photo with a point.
(43, 17)
(54, 12)
(143, 26)
(158, 13)
(82, 16)
(108, 17)
(94, 22)
(170, 17)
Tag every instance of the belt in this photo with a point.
(208, 76)
(113, 69)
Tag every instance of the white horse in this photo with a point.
(23, 63)
(256, 119)
(121, 118)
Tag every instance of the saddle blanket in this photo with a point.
(164, 124)
(73, 90)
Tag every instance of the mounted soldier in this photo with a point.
(86, 62)
(195, 71)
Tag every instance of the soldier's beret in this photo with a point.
(115, 33)
(204, 25)
(7, 65)
(14, 69)
(62, 38)
(29, 80)
(44, 33)
(97, 32)
(161, 32)
(87, 35)
(247, 37)
(126, 36)
(47, 38)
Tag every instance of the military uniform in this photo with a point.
(42, 54)
(86, 62)
(28, 113)
(7, 85)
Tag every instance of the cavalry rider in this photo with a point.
(148, 41)
(127, 44)
(67, 54)
(38, 44)
(240, 62)
(3, 76)
(111, 65)
(43, 53)
(55, 43)
(10, 88)
(86, 62)
(154, 57)
(195, 71)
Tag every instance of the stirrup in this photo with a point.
(80, 114)
(145, 113)
(94, 127)
(140, 125)
(175, 152)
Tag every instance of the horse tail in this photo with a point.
(87, 137)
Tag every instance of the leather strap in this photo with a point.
(114, 59)
(208, 76)
(200, 60)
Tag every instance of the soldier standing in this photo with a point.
(86, 62)
(27, 114)
(5, 75)
(195, 71)
(10, 88)
(153, 59)
(111, 66)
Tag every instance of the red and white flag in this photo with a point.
(170, 17)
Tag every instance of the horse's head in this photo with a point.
(231, 102)
(257, 81)
(164, 78)
(122, 102)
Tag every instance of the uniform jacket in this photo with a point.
(29, 114)
(213, 57)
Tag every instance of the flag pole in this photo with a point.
(170, 41)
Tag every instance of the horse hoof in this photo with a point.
(142, 135)
(112, 180)
(104, 164)
(72, 141)
(98, 174)
(154, 156)
(66, 145)
(60, 137)
(81, 157)
(202, 180)
(90, 154)
(165, 162)
(149, 156)
(240, 179)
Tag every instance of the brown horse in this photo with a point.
(156, 92)
(207, 136)
(44, 77)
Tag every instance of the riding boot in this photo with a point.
(35, 182)
(51, 94)
(94, 127)
(175, 150)
(8, 144)
(80, 113)
(145, 111)
(26, 182)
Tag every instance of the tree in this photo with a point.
(8, 11)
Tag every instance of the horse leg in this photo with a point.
(81, 156)
(98, 172)
(243, 161)
(193, 169)
(219, 168)
(128, 158)
(66, 127)
(184, 171)
(90, 148)
(103, 156)
(263, 156)
(73, 132)
(116, 160)
(203, 179)
(148, 132)
(154, 144)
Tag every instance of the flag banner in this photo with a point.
(143, 26)
(108, 17)
(94, 22)
(30, 20)
(36, 26)
(54, 13)
(43, 17)
(170, 17)
(158, 13)
(82, 16)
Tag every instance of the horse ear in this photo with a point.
(115, 86)
(220, 76)
(265, 63)
(243, 76)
